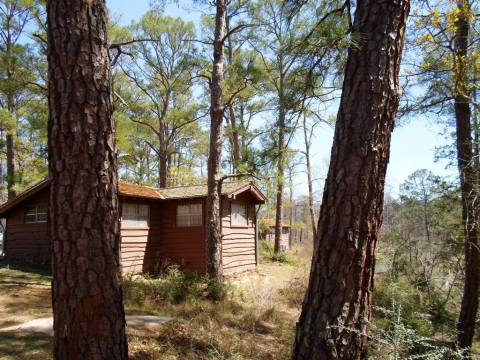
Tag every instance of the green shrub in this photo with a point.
(267, 251)
(413, 304)
(174, 286)
(216, 289)
(401, 341)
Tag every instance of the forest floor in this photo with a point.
(255, 320)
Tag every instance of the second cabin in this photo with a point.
(158, 227)
(268, 233)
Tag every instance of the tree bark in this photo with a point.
(468, 185)
(234, 135)
(10, 165)
(280, 167)
(163, 168)
(311, 207)
(89, 319)
(337, 306)
(213, 231)
(234, 138)
(292, 205)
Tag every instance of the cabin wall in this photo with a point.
(182, 245)
(141, 246)
(239, 246)
(269, 236)
(24, 241)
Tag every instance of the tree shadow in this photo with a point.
(28, 268)
(22, 346)
(24, 292)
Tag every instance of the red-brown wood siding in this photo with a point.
(147, 249)
(239, 246)
(181, 245)
(24, 241)
(141, 246)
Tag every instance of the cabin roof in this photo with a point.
(140, 191)
(229, 189)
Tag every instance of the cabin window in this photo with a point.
(135, 215)
(239, 214)
(189, 215)
(36, 215)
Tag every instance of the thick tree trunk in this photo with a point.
(89, 319)
(337, 306)
(468, 182)
(311, 207)
(214, 235)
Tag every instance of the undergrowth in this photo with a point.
(267, 251)
(245, 321)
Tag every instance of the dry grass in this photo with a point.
(24, 295)
(255, 320)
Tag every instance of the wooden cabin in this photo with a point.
(158, 226)
(268, 233)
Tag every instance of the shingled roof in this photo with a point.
(229, 189)
(133, 190)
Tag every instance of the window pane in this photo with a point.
(239, 214)
(195, 214)
(143, 215)
(182, 215)
(30, 215)
(42, 215)
(189, 215)
(135, 215)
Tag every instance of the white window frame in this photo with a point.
(236, 218)
(40, 215)
(189, 215)
(139, 219)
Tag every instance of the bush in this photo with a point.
(401, 341)
(174, 286)
(412, 302)
(267, 251)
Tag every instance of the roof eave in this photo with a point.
(6, 207)
(254, 191)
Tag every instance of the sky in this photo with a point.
(413, 143)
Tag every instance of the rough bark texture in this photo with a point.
(214, 233)
(468, 176)
(89, 320)
(337, 305)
